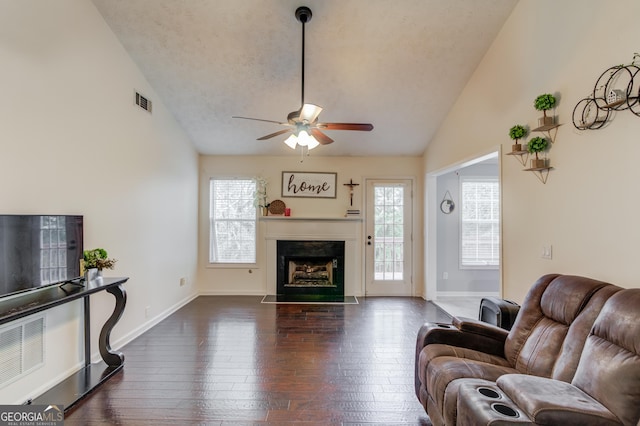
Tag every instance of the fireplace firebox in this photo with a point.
(310, 270)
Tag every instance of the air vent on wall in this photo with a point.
(143, 102)
(21, 349)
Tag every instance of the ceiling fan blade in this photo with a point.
(321, 137)
(259, 119)
(272, 135)
(310, 112)
(366, 127)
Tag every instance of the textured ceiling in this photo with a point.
(398, 64)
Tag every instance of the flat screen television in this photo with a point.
(38, 250)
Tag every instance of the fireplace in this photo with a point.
(310, 270)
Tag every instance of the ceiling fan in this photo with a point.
(303, 124)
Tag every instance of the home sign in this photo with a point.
(309, 184)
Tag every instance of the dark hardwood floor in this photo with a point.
(230, 360)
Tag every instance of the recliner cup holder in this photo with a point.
(489, 393)
(504, 410)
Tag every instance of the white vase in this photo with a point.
(93, 274)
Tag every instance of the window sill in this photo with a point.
(232, 266)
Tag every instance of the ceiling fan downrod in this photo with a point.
(303, 14)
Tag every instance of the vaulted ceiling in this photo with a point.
(398, 64)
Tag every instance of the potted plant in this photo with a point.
(543, 103)
(535, 146)
(94, 261)
(516, 133)
(260, 196)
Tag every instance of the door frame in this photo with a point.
(430, 215)
(416, 230)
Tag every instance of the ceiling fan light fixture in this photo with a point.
(312, 143)
(291, 141)
(302, 138)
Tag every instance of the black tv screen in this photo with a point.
(38, 250)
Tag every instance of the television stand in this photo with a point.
(77, 386)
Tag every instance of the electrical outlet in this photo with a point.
(445, 275)
(183, 281)
(546, 252)
(146, 311)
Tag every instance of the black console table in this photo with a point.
(80, 384)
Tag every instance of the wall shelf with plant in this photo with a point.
(537, 145)
(516, 133)
(539, 165)
(546, 124)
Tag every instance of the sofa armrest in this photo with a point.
(548, 401)
(463, 333)
(480, 328)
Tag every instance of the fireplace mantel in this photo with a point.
(297, 218)
(345, 229)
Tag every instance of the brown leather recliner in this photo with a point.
(546, 340)
(604, 391)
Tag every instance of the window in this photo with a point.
(480, 222)
(232, 221)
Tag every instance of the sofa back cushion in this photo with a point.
(609, 368)
(553, 323)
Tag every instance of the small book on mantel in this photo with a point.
(352, 212)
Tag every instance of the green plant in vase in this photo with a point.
(516, 133)
(97, 259)
(535, 146)
(544, 103)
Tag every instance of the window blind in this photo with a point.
(232, 237)
(480, 222)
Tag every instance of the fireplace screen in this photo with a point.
(310, 268)
(311, 273)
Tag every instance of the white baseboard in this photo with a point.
(478, 294)
(229, 293)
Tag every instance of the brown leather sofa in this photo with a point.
(572, 357)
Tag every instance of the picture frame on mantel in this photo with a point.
(309, 184)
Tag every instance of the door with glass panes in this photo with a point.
(388, 238)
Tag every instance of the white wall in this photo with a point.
(253, 281)
(588, 209)
(73, 142)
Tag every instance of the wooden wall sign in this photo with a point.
(309, 184)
